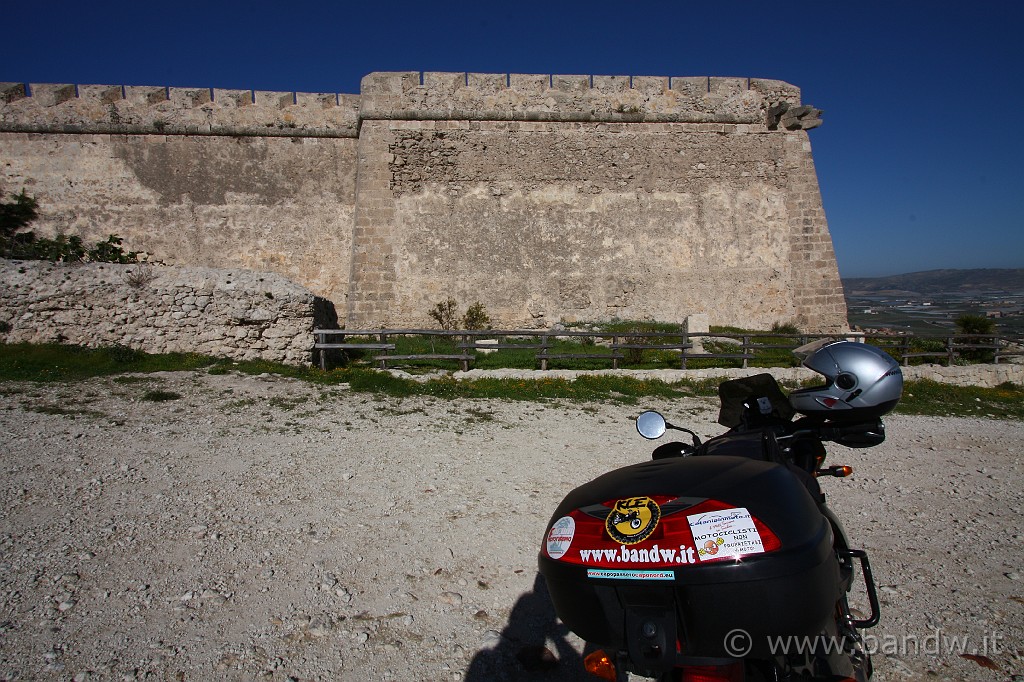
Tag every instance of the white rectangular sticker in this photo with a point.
(630, 575)
(725, 533)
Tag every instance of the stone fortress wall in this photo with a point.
(546, 198)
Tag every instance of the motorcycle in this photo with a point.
(721, 560)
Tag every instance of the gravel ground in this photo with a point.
(259, 527)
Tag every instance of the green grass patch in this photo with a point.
(583, 389)
(623, 326)
(526, 358)
(286, 404)
(1005, 401)
(63, 362)
(58, 362)
(258, 367)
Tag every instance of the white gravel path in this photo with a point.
(260, 527)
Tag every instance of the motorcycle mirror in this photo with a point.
(651, 425)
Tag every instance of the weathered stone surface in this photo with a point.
(10, 92)
(590, 221)
(158, 110)
(543, 197)
(540, 97)
(226, 313)
(277, 204)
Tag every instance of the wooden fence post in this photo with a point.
(320, 339)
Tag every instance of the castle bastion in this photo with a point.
(546, 198)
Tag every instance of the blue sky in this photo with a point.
(919, 159)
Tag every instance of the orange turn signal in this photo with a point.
(837, 471)
(598, 663)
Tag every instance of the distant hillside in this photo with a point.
(931, 282)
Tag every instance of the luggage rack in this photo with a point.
(846, 555)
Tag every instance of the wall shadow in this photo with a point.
(522, 651)
(325, 316)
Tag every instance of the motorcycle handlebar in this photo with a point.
(860, 434)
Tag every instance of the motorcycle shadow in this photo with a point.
(522, 652)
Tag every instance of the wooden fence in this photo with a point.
(618, 348)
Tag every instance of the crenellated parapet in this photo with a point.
(399, 96)
(137, 110)
(532, 97)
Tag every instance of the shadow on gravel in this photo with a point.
(522, 652)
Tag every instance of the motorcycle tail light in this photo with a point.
(599, 665)
(732, 672)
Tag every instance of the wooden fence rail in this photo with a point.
(617, 347)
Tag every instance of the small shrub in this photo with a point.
(110, 251)
(62, 248)
(476, 317)
(445, 313)
(15, 243)
(635, 356)
(139, 277)
(123, 354)
(784, 328)
(974, 324)
(15, 216)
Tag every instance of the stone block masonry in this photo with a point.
(236, 314)
(544, 197)
(135, 110)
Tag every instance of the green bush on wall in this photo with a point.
(16, 243)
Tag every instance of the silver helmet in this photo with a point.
(862, 382)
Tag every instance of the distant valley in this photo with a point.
(929, 302)
(939, 282)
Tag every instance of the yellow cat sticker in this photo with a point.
(632, 520)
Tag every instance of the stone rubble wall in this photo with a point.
(236, 314)
(246, 315)
(546, 198)
(987, 376)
